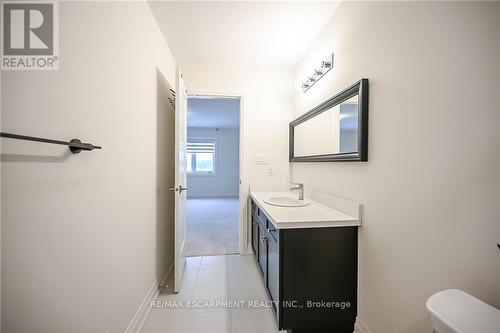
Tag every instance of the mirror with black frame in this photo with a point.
(335, 130)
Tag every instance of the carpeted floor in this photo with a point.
(212, 227)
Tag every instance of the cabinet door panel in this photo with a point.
(263, 252)
(255, 235)
(273, 270)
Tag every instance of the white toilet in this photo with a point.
(454, 311)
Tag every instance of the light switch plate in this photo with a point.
(261, 159)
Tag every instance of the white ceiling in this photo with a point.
(275, 33)
(213, 112)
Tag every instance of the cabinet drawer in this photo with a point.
(259, 214)
(262, 219)
(255, 208)
(273, 232)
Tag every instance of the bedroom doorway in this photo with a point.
(213, 175)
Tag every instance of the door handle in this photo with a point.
(178, 189)
(264, 239)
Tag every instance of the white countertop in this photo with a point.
(314, 215)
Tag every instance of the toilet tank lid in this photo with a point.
(463, 312)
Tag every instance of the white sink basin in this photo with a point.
(286, 202)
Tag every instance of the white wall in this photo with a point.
(79, 233)
(430, 190)
(225, 181)
(267, 103)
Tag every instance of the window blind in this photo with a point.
(201, 147)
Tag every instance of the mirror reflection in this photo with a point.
(333, 131)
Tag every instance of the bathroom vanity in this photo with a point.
(308, 261)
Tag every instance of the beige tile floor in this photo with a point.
(211, 278)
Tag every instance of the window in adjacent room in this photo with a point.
(201, 156)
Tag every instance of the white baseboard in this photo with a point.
(142, 312)
(360, 327)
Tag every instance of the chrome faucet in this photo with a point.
(299, 187)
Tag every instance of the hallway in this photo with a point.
(212, 226)
(214, 278)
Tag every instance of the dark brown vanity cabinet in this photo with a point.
(310, 274)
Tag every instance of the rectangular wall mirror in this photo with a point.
(335, 130)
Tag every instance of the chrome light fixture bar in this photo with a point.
(318, 73)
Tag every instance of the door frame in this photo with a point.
(243, 240)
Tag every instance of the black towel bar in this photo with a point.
(75, 145)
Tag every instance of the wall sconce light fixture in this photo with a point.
(318, 73)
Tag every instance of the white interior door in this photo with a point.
(180, 177)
